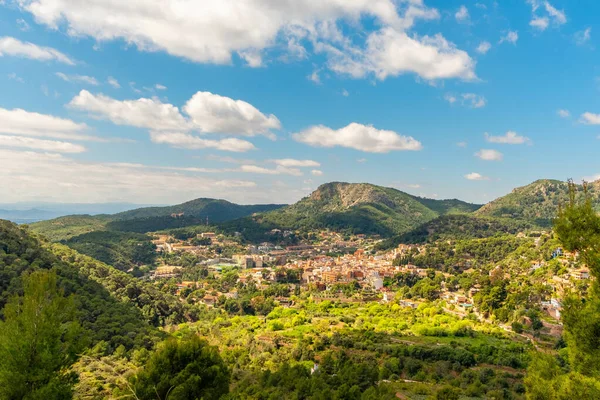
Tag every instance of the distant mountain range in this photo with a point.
(350, 207)
(29, 212)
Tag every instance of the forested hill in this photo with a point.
(149, 219)
(362, 208)
(216, 210)
(537, 202)
(104, 294)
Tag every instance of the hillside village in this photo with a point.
(329, 265)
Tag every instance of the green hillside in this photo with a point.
(361, 208)
(537, 202)
(215, 210)
(148, 219)
(64, 228)
(457, 227)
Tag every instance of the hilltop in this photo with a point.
(362, 208)
(537, 202)
(215, 210)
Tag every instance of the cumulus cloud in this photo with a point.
(158, 86)
(540, 23)
(187, 141)
(563, 113)
(40, 144)
(316, 172)
(489, 155)
(206, 112)
(42, 176)
(510, 137)
(21, 122)
(10, 46)
(484, 47)
(88, 80)
(510, 37)
(462, 15)
(212, 113)
(141, 113)
(475, 176)
(390, 52)
(357, 136)
(589, 118)
(215, 32)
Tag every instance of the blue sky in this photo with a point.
(154, 101)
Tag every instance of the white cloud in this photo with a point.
(511, 37)
(584, 36)
(211, 32)
(113, 82)
(40, 144)
(558, 16)
(206, 113)
(489, 155)
(543, 14)
(212, 113)
(390, 52)
(314, 77)
(589, 118)
(10, 46)
(484, 47)
(21, 122)
(462, 144)
(141, 113)
(13, 76)
(357, 136)
(39, 176)
(316, 172)
(158, 86)
(279, 170)
(510, 137)
(361, 160)
(474, 100)
(345, 93)
(475, 176)
(462, 15)
(290, 162)
(563, 113)
(88, 80)
(540, 23)
(470, 100)
(187, 141)
(450, 98)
